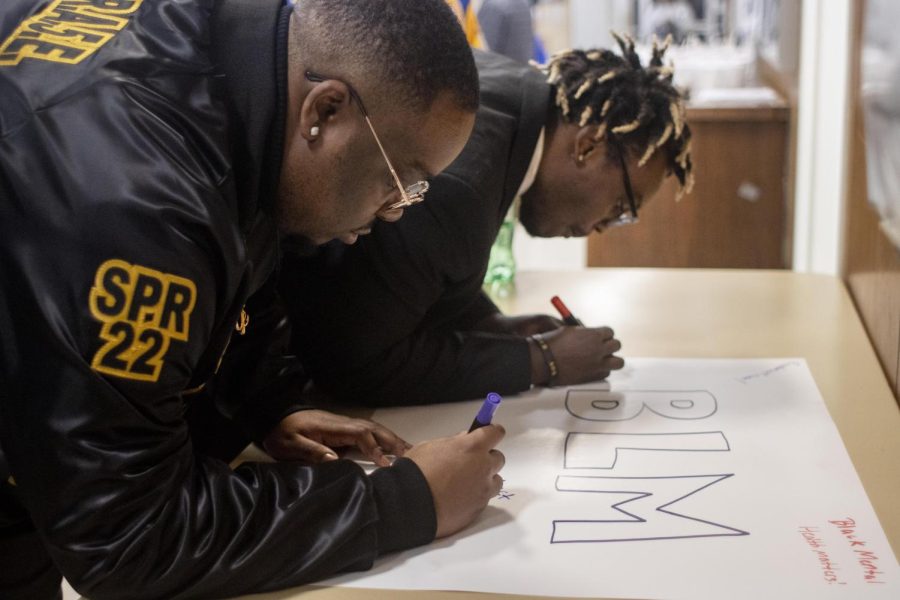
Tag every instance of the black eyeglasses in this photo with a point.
(409, 195)
(623, 217)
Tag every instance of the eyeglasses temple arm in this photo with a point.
(387, 160)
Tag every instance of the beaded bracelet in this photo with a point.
(549, 359)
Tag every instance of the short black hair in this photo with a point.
(417, 47)
(635, 108)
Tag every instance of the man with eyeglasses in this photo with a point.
(585, 143)
(154, 154)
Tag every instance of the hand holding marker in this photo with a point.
(486, 412)
(609, 346)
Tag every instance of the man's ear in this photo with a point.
(324, 102)
(585, 144)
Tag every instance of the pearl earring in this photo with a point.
(314, 131)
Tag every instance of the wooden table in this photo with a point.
(726, 314)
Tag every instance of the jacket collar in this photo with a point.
(249, 43)
(534, 107)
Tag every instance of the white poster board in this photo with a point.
(701, 479)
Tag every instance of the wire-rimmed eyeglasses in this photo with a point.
(623, 216)
(409, 195)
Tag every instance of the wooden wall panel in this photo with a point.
(872, 268)
(735, 218)
(871, 265)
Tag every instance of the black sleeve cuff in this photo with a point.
(405, 507)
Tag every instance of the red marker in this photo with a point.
(567, 316)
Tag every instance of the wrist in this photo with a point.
(544, 370)
(539, 374)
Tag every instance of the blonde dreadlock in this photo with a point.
(635, 108)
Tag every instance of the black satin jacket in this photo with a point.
(140, 143)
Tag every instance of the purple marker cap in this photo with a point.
(486, 412)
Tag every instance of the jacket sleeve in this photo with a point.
(108, 309)
(480, 308)
(418, 280)
(433, 367)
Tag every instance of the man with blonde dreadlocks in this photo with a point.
(585, 143)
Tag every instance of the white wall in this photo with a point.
(557, 254)
(590, 22)
(823, 123)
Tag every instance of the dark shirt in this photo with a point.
(389, 320)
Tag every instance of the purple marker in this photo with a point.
(486, 412)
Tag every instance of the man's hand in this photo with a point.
(581, 354)
(523, 325)
(311, 435)
(462, 474)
